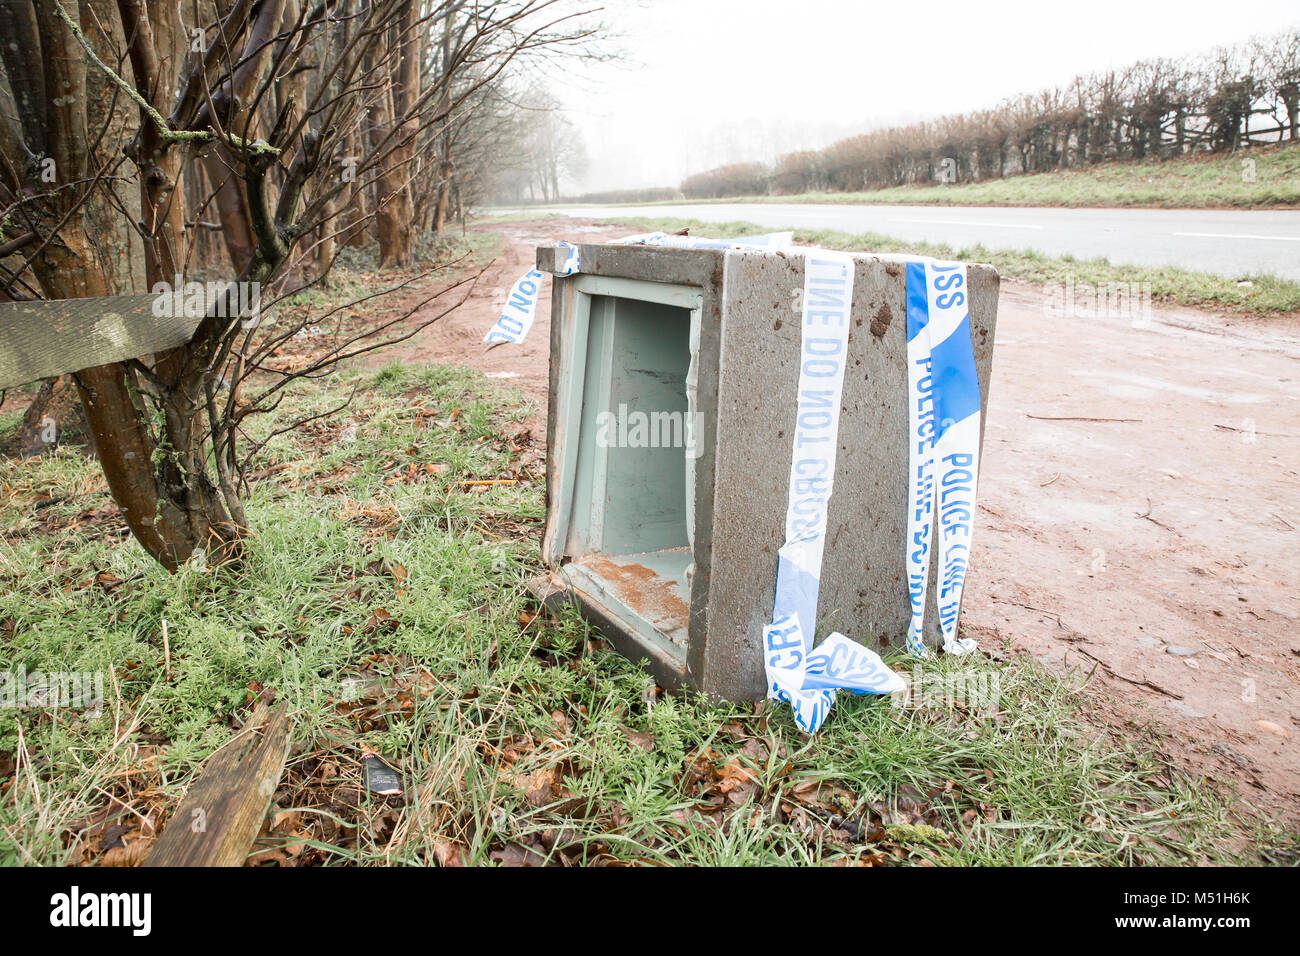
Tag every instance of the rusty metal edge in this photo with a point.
(553, 592)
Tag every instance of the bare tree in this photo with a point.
(290, 112)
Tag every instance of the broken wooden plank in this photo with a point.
(222, 813)
(48, 338)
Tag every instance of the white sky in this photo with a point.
(702, 82)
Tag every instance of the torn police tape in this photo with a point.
(943, 395)
(797, 672)
(943, 443)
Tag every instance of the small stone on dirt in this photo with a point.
(1238, 759)
(1179, 651)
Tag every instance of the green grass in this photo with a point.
(10, 422)
(1193, 182)
(520, 735)
(352, 275)
(1263, 295)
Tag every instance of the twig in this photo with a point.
(1147, 515)
(164, 130)
(1077, 418)
(1052, 614)
(1251, 431)
(167, 650)
(1131, 680)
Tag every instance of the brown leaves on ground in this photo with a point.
(122, 830)
(746, 779)
(538, 771)
(640, 739)
(379, 520)
(383, 687)
(118, 834)
(322, 802)
(367, 588)
(42, 509)
(411, 472)
(287, 836)
(720, 781)
(739, 779)
(541, 787)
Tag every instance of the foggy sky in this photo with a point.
(703, 82)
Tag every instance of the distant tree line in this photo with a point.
(1153, 109)
(632, 196)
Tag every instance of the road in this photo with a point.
(1229, 242)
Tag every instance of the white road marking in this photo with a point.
(969, 222)
(1237, 235)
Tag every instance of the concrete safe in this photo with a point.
(672, 401)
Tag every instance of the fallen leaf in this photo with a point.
(541, 787)
(131, 854)
(379, 619)
(1273, 728)
(641, 739)
(516, 854)
(448, 854)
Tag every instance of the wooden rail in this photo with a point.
(42, 339)
(222, 813)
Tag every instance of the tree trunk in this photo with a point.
(444, 195)
(325, 244)
(394, 135)
(54, 417)
(232, 208)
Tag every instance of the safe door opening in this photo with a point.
(630, 434)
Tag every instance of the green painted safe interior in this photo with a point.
(629, 537)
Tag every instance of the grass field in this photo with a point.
(1264, 176)
(1261, 295)
(383, 597)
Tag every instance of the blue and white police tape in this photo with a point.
(521, 304)
(943, 443)
(808, 677)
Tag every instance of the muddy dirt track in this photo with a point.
(1139, 508)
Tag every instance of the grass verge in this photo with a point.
(383, 596)
(1262, 177)
(1260, 295)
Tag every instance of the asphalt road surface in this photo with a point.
(1235, 243)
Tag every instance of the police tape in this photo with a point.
(809, 677)
(943, 444)
(521, 304)
(520, 308)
